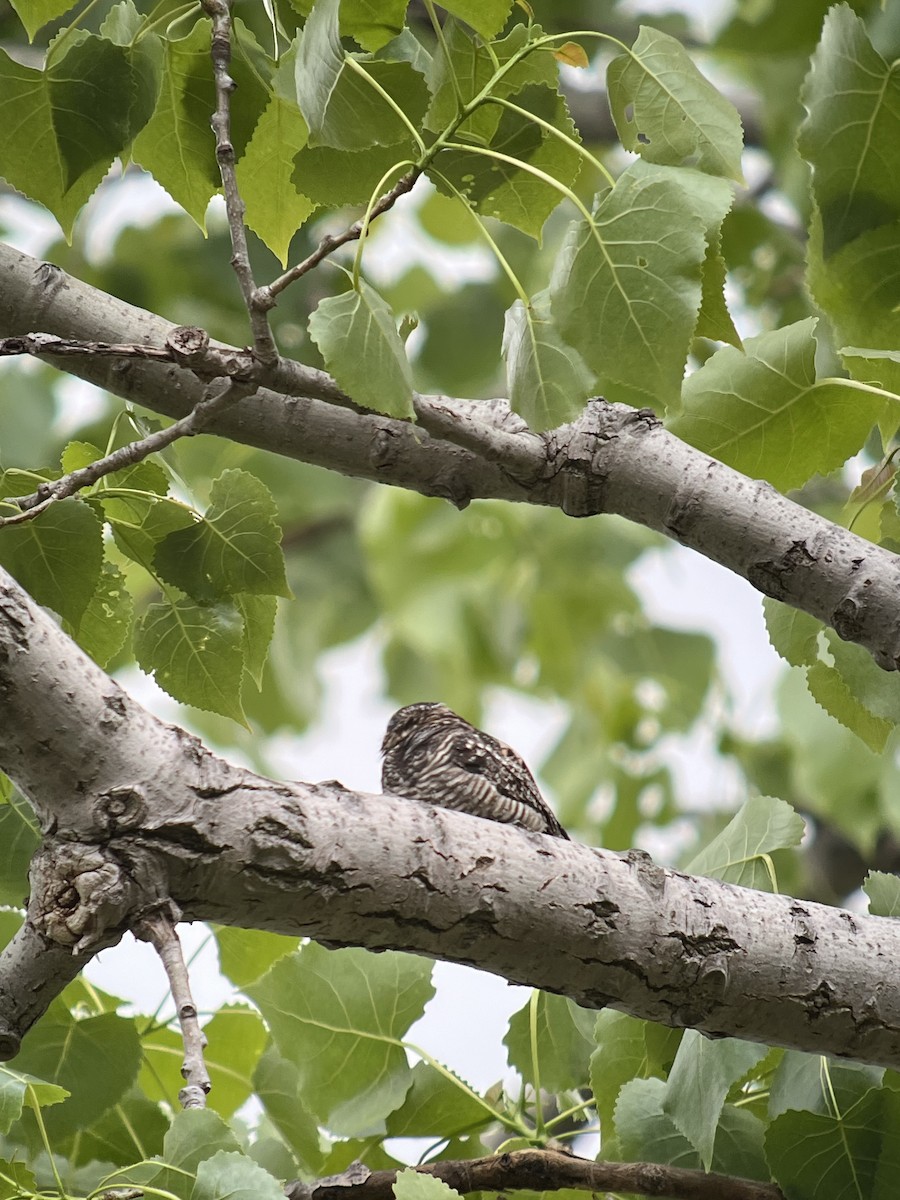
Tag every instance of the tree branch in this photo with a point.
(614, 460)
(220, 52)
(159, 930)
(541, 1171)
(141, 814)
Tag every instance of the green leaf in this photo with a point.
(34, 14)
(28, 147)
(818, 1155)
(859, 290)
(626, 288)
(884, 894)
(275, 208)
(411, 1185)
(279, 1088)
(230, 1175)
(195, 654)
(503, 189)
(464, 68)
(740, 853)
(16, 1180)
(701, 1077)
(96, 1060)
(139, 525)
(851, 135)
(564, 1043)
(881, 368)
(794, 634)
(339, 1016)
(19, 838)
(258, 613)
(645, 1132)
(547, 381)
(438, 1107)
(176, 145)
(487, 17)
(627, 1048)
(763, 413)
(91, 91)
(830, 763)
(16, 1087)
(246, 954)
(370, 24)
(57, 557)
(829, 689)
(106, 622)
(877, 690)
(339, 103)
(740, 1146)
(822, 1085)
(667, 112)
(133, 1121)
(333, 178)
(711, 198)
(195, 1135)
(235, 548)
(122, 23)
(362, 349)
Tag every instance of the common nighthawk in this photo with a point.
(432, 754)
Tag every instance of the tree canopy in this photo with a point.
(420, 325)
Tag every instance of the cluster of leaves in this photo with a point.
(218, 573)
(325, 1051)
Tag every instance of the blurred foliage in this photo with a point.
(167, 561)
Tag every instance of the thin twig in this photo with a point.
(48, 493)
(159, 930)
(541, 1171)
(286, 375)
(220, 50)
(40, 345)
(267, 295)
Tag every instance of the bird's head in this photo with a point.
(414, 717)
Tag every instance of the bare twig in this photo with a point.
(268, 295)
(213, 402)
(286, 375)
(40, 345)
(159, 930)
(263, 342)
(541, 1171)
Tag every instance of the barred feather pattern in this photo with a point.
(431, 754)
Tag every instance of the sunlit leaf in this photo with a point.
(339, 1016)
(740, 853)
(668, 112)
(358, 338)
(764, 413)
(195, 653)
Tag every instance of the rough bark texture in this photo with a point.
(539, 1171)
(614, 460)
(136, 812)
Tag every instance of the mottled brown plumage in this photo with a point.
(432, 754)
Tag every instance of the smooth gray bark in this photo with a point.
(136, 813)
(613, 460)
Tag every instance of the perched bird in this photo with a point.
(432, 754)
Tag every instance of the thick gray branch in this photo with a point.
(136, 812)
(614, 460)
